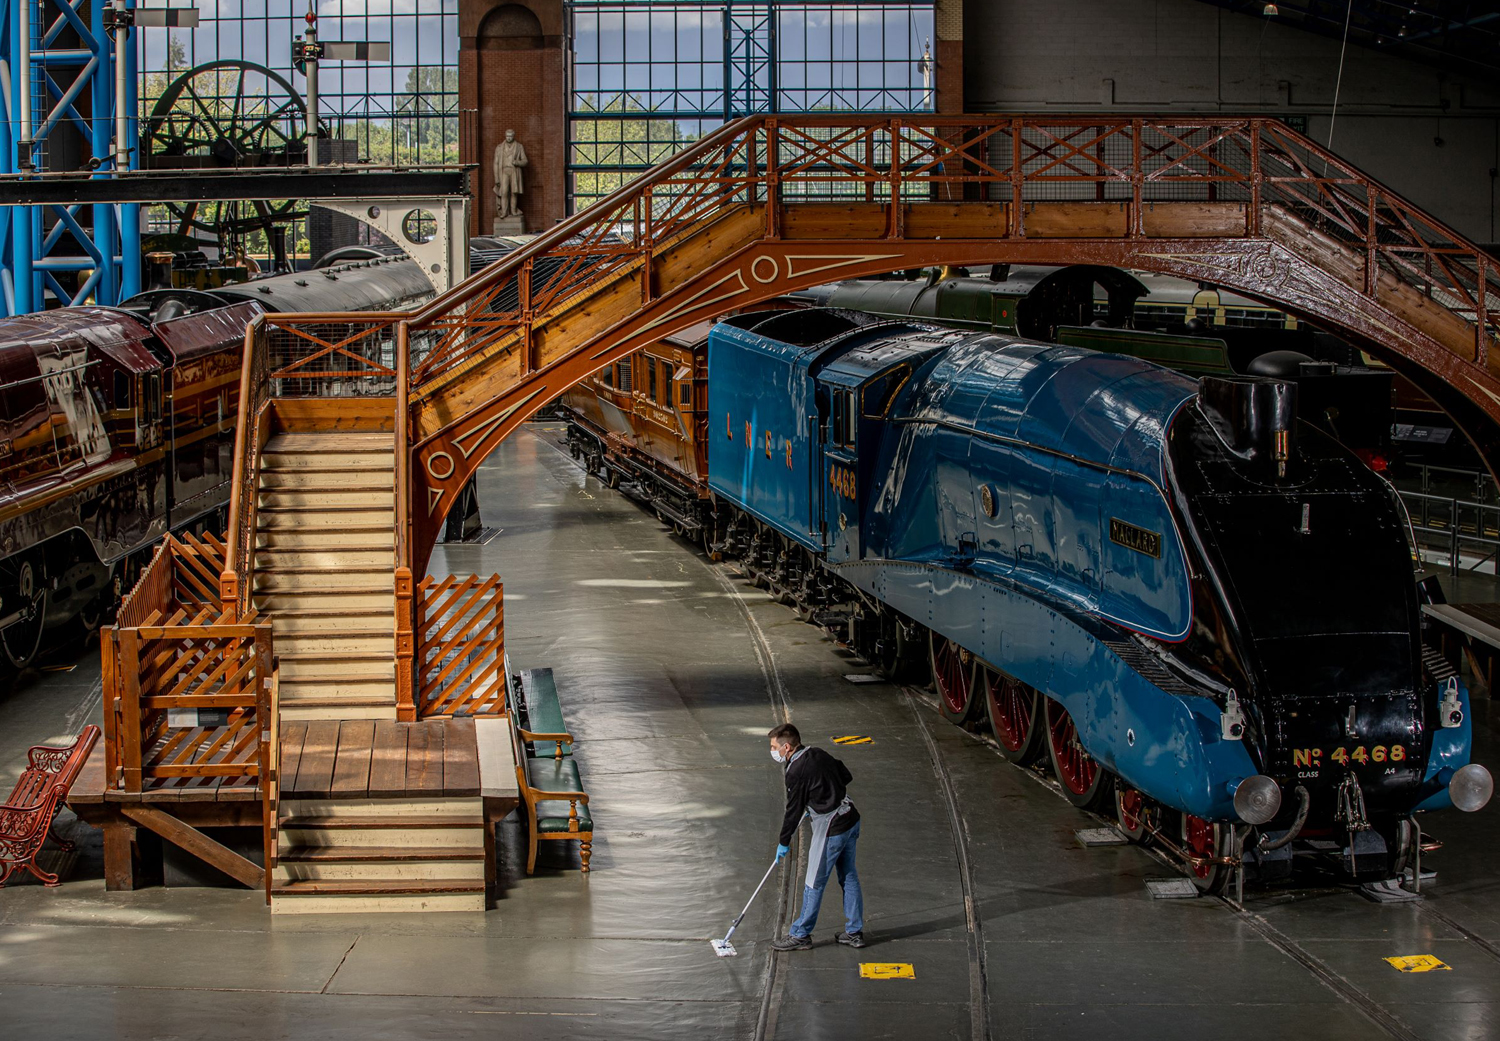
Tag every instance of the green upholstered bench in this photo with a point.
(544, 713)
(555, 806)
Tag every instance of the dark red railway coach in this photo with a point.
(113, 431)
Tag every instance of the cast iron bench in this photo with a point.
(556, 806)
(26, 817)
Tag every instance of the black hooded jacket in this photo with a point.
(816, 780)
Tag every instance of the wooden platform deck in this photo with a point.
(346, 760)
(379, 759)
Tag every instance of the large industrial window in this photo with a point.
(226, 93)
(650, 78)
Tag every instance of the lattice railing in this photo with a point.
(1248, 166)
(188, 701)
(460, 635)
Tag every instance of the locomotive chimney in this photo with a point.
(1254, 417)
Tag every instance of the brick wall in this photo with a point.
(511, 77)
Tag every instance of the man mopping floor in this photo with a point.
(816, 785)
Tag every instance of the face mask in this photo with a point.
(776, 755)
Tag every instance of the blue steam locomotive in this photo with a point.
(1199, 608)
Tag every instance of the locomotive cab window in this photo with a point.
(151, 398)
(841, 430)
(122, 391)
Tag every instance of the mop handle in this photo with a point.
(736, 924)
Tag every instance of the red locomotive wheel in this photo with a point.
(1083, 779)
(1015, 716)
(953, 670)
(1201, 838)
(1135, 813)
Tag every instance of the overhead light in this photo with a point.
(1270, 11)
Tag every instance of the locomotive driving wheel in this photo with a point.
(1206, 841)
(223, 115)
(953, 670)
(23, 592)
(1014, 714)
(1134, 813)
(1084, 781)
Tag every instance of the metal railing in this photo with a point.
(1444, 527)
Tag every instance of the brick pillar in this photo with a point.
(948, 55)
(512, 70)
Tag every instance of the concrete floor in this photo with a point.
(670, 672)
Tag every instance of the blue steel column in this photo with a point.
(130, 213)
(112, 246)
(101, 89)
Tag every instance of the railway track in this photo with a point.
(1387, 1022)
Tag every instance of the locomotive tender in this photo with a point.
(117, 426)
(1138, 575)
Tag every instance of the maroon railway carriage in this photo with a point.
(113, 431)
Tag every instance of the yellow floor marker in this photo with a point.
(1418, 963)
(886, 970)
(853, 739)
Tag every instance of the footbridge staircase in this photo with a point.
(358, 431)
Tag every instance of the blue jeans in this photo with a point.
(838, 857)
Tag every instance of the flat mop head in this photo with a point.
(723, 948)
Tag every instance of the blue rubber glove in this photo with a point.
(782, 851)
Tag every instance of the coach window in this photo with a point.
(607, 375)
(650, 377)
(684, 379)
(623, 379)
(666, 383)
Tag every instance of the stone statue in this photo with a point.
(510, 156)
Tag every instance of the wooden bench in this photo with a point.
(556, 806)
(26, 817)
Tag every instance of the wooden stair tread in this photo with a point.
(339, 854)
(290, 685)
(329, 591)
(313, 507)
(372, 486)
(380, 821)
(337, 569)
(376, 886)
(333, 612)
(338, 655)
(290, 444)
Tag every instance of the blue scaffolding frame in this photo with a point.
(70, 72)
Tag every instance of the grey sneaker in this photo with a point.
(851, 939)
(792, 943)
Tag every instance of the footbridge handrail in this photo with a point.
(1081, 177)
(771, 204)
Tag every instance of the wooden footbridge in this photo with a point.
(357, 431)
